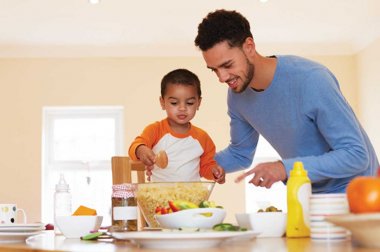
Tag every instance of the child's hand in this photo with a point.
(219, 174)
(149, 171)
(146, 155)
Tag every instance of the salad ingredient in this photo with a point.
(269, 209)
(173, 206)
(227, 227)
(363, 194)
(182, 204)
(83, 210)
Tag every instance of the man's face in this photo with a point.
(231, 65)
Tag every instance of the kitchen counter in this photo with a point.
(47, 241)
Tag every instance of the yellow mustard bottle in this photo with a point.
(298, 197)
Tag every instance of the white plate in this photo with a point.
(343, 235)
(183, 240)
(328, 230)
(22, 227)
(38, 224)
(328, 211)
(16, 237)
(321, 224)
(328, 195)
(325, 201)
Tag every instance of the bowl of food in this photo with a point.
(156, 195)
(204, 218)
(268, 223)
(77, 226)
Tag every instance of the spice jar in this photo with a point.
(124, 207)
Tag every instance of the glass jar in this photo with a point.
(124, 207)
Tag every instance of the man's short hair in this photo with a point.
(222, 25)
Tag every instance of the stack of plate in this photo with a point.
(19, 232)
(322, 206)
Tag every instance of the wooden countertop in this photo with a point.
(47, 241)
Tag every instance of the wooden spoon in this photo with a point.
(162, 159)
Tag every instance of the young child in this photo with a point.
(190, 149)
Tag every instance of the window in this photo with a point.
(260, 197)
(79, 143)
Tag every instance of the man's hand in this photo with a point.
(219, 174)
(265, 174)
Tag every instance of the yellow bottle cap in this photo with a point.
(298, 169)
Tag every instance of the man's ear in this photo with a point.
(249, 46)
(162, 102)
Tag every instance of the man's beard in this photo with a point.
(248, 78)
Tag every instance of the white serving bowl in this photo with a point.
(267, 224)
(365, 228)
(192, 218)
(77, 226)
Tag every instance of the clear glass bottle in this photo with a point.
(62, 201)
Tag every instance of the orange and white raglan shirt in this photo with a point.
(190, 155)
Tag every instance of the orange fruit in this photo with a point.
(363, 194)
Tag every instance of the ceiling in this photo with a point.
(67, 28)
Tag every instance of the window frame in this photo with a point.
(50, 114)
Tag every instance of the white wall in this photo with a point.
(368, 65)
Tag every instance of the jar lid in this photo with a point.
(124, 190)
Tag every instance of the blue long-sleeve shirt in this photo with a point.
(305, 117)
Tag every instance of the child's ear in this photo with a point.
(162, 102)
(199, 102)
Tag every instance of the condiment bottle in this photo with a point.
(124, 207)
(298, 198)
(62, 201)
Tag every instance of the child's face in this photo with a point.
(181, 103)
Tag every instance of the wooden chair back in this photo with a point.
(122, 168)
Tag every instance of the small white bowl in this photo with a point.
(268, 224)
(77, 226)
(192, 218)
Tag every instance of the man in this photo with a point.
(294, 103)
